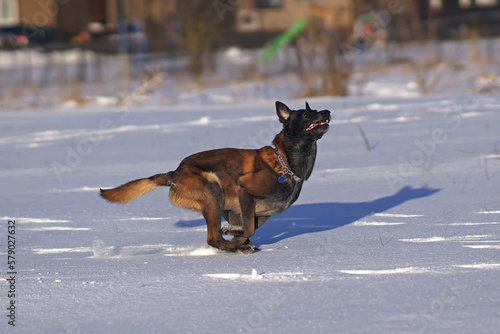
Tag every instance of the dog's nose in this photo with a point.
(325, 112)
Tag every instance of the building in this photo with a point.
(45, 21)
(32, 19)
(252, 22)
(459, 17)
(454, 7)
(256, 21)
(37, 13)
(278, 15)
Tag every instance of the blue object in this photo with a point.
(281, 179)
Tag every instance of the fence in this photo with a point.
(77, 71)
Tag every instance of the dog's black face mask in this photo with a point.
(306, 123)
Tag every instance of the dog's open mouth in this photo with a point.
(315, 125)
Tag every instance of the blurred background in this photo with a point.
(75, 53)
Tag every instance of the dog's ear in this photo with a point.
(307, 107)
(283, 112)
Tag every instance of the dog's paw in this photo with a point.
(242, 246)
(240, 241)
(232, 230)
(246, 246)
(246, 249)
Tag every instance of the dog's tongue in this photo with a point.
(313, 125)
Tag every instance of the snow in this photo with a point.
(400, 236)
(384, 272)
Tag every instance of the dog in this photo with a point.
(245, 186)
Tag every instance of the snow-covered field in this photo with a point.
(397, 231)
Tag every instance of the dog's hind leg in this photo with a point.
(213, 216)
(204, 194)
(212, 212)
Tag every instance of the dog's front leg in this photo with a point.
(234, 220)
(214, 238)
(247, 206)
(235, 228)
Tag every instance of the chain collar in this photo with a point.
(284, 169)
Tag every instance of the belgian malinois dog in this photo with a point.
(245, 186)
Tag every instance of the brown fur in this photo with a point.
(135, 189)
(240, 185)
(129, 191)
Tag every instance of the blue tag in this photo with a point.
(281, 179)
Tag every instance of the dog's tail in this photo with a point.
(135, 189)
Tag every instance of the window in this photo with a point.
(464, 3)
(486, 2)
(479, 3)
(9, 12)
(248, 20)
(268, 3)
(436, 4)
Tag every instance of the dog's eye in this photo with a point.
(304, 115)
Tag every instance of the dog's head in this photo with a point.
(306, 123)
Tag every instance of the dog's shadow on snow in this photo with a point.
(318, 217)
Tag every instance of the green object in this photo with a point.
(296, 28)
